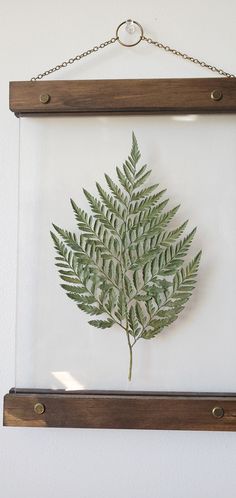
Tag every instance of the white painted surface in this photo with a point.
(88, 463)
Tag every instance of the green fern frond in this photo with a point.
(102, 324)
(117, 192)
(124, 263)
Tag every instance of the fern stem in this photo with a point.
(124, 259)
(130, 357)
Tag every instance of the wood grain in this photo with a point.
(121, 410)
(139, 96)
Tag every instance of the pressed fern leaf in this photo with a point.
(124, 263)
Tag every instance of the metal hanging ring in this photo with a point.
(131, 44)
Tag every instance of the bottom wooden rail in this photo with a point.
(120, 410)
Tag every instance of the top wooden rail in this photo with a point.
(129, 96)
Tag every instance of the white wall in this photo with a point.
(89, 463)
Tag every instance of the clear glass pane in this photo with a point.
(194, 158)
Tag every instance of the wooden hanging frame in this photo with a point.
(128, 96)
(114, 409)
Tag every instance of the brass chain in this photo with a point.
(74, 59)
(142, 38)
(187, 57)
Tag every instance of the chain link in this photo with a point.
(187, 57)
(142, 38)
(74, 59)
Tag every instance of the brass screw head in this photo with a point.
(44, 98)
(216, 95)
(39, 408)
(218, 412)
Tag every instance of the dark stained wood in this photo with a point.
(123, 410)
(138, 96)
